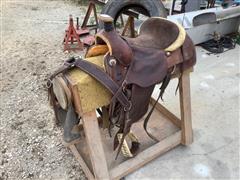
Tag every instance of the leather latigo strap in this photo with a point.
(104, 79)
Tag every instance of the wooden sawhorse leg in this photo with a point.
(185, 106)
(95, 147)
(185, 122)
(129, 26)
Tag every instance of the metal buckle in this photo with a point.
(112, 62)
(129, 108)
(124, 84)
(49, 83)
(70, 62)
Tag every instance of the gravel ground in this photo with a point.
(31, 49)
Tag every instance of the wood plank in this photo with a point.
(87, 15)
(146, 156)
(75, 94)
(185, 106)
(177, 73)
(125, 28)
(82, 163)
(76, 100)
(169, 115)
(95, 147)
(158, 125)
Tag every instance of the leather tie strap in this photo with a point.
(162, 89)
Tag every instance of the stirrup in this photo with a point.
(125, 150)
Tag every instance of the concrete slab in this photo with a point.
(215, 115)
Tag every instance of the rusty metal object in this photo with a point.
(91, 7)
(211, 3)
(129, 26)
(72, 37)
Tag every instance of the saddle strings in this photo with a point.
(162, 90)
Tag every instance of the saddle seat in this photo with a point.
(159, 33)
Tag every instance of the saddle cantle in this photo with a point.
(133, 66)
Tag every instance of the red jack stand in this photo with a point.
(72, 37)
(84, 32)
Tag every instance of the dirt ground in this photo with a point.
(32, 32)
(31, 49)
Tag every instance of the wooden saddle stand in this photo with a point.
(96, 156)
(94, 151)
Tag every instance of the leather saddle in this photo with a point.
(138, 64)
(133, 66)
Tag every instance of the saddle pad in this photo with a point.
(92, 94)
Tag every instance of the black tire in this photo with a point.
(151, 8)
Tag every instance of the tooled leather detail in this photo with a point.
(117, 72)
(117, 46)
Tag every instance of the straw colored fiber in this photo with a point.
(92, 94)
